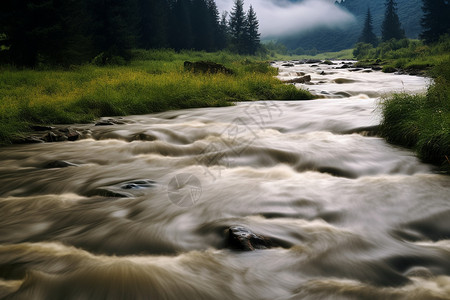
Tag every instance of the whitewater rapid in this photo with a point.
(142, 209)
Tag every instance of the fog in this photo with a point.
(281, 17)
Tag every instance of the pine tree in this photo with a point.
(202, 27)
(180, 31)
(436, 19)
(114, 26)
(391, 27)
(237, 26)
(252, 34)
(367, 36)
(153, 23)
(44, 32)
(219, 38)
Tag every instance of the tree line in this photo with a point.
(435, 23)
(64, 32)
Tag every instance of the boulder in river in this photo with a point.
(287, 65)
(241, 238)
(303, 79)
(59, 164)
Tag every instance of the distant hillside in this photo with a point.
(325, 39)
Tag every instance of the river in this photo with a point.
(141, 210)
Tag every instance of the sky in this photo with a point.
(281, 17)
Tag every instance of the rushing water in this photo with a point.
(143, 212)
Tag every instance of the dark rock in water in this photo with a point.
(138, 184)
(109, 122)
(355, 69)
(322, 73)
(110, 193)
(328, 62)
(133, 188)
(377, 68)
(55, 137)
(59, 164)
(287, 65)
(240, 238)
(41, 128)
(344, 66)
(206, 67)
(303, 79)
(104, 123)
(73, 135)
(314, 66)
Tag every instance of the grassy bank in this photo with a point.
(153, 81)
(412, 56)
(422, 122)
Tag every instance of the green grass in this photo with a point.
(154, 81)
(422, 122)
(409, 55)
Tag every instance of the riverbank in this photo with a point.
(422, 122)
(153, 81)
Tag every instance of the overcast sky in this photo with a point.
(281, 17)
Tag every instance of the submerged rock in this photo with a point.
(241, 238)
(59, 164)
(303, 79)
(127, 189)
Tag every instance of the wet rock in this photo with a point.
(344, 66)
(355, 69)
(314, 66)
(41, 128)
(241, 238)
(109, 122)
(59, 164)
(322, 73)
(328, 62)
(206, 67)
(127, 189)
(55, 137)
(343, 80)
(104, 123)
(303, 79)
(300, 73)
(73, 135)
(377, 68)
(105, 192)
(138, 184)
(287, 65)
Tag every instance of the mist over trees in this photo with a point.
(71, 32)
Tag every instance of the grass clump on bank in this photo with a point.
(154, 81)
(422, 122)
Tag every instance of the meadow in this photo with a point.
(153, 81)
